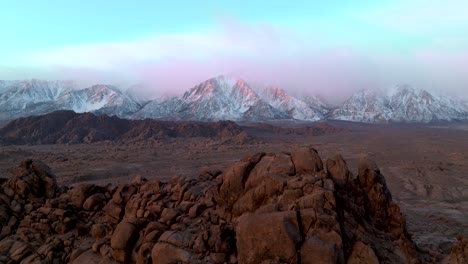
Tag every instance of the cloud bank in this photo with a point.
(296, 59)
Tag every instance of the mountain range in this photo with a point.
(226, 98)
(400, 104)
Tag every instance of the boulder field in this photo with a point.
(266, 208)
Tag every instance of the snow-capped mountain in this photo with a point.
(226, 98)
(35, 97)
(5, 83)
(160, 109)
(100, 99)
(363, 106)
(315, 102)
(295, 108)
(399, 104)
(24, 98)
(220, 98)
(141, 93)
(23, 93)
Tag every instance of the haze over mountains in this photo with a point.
(226, 98)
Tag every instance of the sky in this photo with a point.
(318, 47)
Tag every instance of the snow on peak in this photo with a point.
(219, 98)
(219, 87)
(401, 103)
(232, 98)
(228, 98)
(99, 98)
(229, 81)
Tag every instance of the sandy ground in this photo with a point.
(426, 167)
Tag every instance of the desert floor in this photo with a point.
(426, 167)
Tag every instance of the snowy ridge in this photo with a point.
(297, 109)
(35, 97)
(102, 99)
(227, 98)
(220, 98)
(34, 91)
(25, 98)
(400, 104)
(5, 84)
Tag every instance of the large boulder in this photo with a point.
(459, 253)
(95, 202)
(32, 179)
(302, 235)
(88, 257)
(362, 253)
(307, 161)
(276, 167)
(123, 239)
(231, 183)
(338, 171)
(377, 195)
(258, 236)
(80, 192)
(164, 253)
(266, 180)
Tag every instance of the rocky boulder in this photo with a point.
(123, 239)
(459, 253)
(266, 208)
(307, 160)
(31, 180)
(338, 171)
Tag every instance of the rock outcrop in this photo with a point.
(68, 127)
(459, 253)
(266, 208)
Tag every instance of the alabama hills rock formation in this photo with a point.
(266, 208)
(68, 127)
(228, 98)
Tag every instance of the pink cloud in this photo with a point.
(295, 61)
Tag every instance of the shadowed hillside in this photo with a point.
(68, 127)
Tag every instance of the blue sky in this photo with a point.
(294, 44)
(35, 25)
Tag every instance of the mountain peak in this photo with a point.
(227, 97)
(103, 88)
(228, 79)
(401, 103)
(220, 86)
(279, 93)
(402, 89)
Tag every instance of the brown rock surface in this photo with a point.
(68, 127)
(266, 208)
(33, 179)
(122, 241)
(307, 160)
(338, 170)
(362, 253)
(459, 253)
